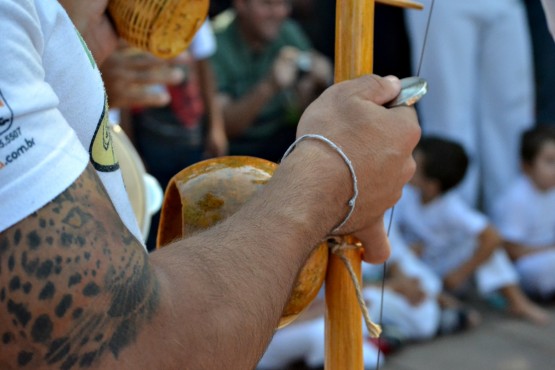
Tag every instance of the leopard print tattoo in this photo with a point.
(75, 285)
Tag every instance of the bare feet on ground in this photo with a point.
(530, 311)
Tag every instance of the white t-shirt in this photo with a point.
(526, 215)
(446, 228)
(53, 113)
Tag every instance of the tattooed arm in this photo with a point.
(77, 290)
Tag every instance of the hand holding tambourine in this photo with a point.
(165, 28)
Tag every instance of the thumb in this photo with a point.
(375, 242)
(379, 90)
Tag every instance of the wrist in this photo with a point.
(346, 160)
(269, 86)
(321, 187)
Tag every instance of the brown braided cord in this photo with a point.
(337, 246)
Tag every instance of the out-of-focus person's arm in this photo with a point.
(317, 76)
(135, 78)
(128, 73)
(488, 241)
(203, 46)
(241, 112)
(216, 137)
(519, 250)
(285, 74)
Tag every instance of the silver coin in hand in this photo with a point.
(412, 89)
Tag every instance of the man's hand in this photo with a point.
(285, 68)
(408, 287)
(216, 141)
(130, 77)
(321, 70)
(92, 22)
(378, 141)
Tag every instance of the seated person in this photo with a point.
(524, 214)
(456, 241)
(267, 74)
(407, 309)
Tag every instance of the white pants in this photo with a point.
(477, 61)
(537, 273)
(413, 322)
(305, 341)
(496, 273)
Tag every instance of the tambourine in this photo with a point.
(207, 192)
(164, 28)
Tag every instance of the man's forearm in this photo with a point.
(256, 256)
(488, 243)
(208, 83)
(240, 114)
(80, 289)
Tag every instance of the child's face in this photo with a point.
(542, 169)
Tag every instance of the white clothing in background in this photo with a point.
(203, 44)
(478, 63)
(526, 216)
(305, 341)
(549, 7)
(412, 322)
(410, 263)
(447, 229)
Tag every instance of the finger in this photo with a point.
(145, 96)
(138, 58)
(375, 242)
(182, 58)
(154, 100)
(379, 90)
(163, 75)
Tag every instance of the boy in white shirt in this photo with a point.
(456, 241)
(524, 214)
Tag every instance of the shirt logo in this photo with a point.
(6, 115)
(101, 151)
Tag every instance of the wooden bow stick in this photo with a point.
(354, 41)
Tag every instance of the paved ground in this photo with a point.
(499, 343)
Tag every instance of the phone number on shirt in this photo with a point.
(9, 137)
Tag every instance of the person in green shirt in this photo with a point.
(267, 74)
